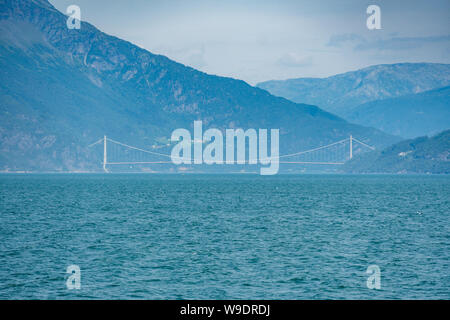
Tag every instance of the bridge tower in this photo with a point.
(351, 146)
(104, 154)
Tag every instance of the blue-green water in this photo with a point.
(224, 236)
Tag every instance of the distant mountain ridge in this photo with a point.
(420, 155)
(343, 92)
(62, 89)
(409, 116)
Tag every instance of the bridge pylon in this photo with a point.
(351, 146)
(105, 155)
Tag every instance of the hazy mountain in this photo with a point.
(409, 116)
(63, 89)
(420, 155)
(343, 92)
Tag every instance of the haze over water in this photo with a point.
(224, 236)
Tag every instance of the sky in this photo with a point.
(259, 40)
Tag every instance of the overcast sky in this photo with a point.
(258, 40)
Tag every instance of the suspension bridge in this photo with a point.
(117, 153)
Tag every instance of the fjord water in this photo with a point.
(224, 236)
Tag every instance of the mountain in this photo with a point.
(408, 116)
(420, 155)
(62, 89)
(343, 92)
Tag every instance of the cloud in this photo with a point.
(338, 40)
(192, 55)
(393, 43)
(196, 58)
(400, 43)
(294, 60)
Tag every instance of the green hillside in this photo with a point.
(420, 155)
